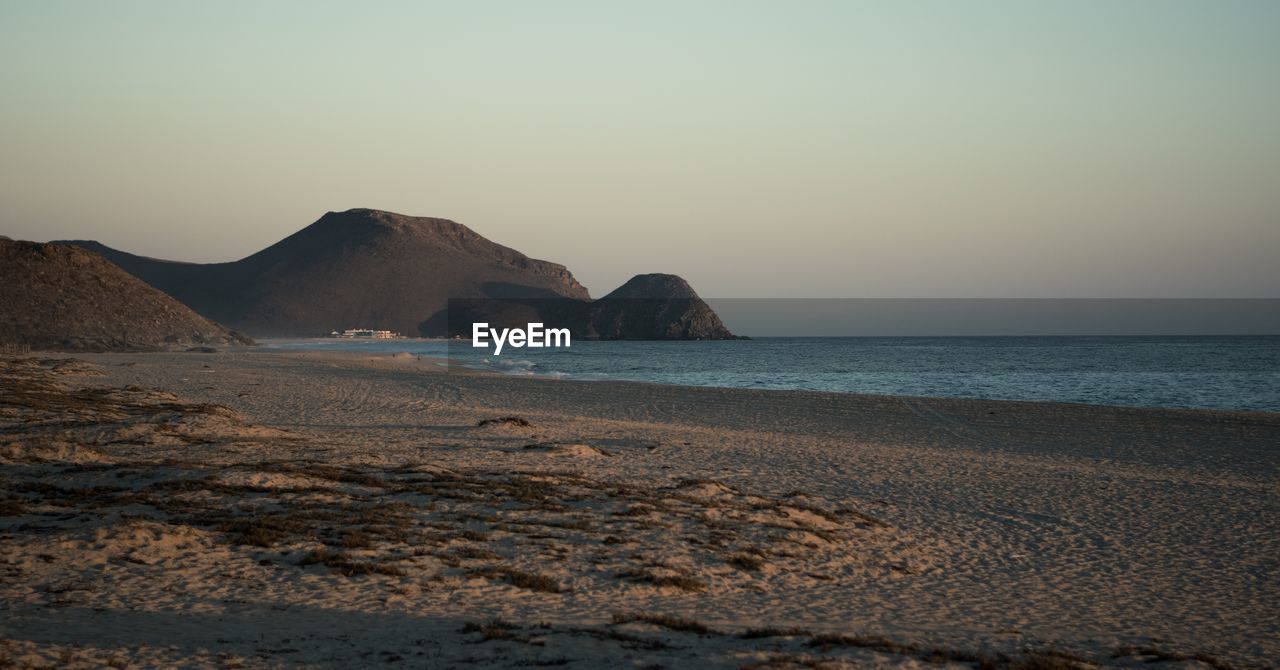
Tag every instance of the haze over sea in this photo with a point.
(1211, 372)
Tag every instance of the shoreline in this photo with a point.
(456, 366)
(987, 526)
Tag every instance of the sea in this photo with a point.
(1219, 372)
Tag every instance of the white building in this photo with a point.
(365, 333)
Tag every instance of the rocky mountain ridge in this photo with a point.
(377, 269)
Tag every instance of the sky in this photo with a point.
(926, 149)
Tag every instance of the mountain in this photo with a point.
(653, 307)
(647, 307)
(358, 268)
(372, 269)
(64, 298)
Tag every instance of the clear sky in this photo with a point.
(1078, 148)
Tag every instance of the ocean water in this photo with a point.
(1221, 372)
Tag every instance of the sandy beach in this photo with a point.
(269, 509)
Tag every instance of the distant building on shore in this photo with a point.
(365, 333)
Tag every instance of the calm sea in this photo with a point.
(1207, 372)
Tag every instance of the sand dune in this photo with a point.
(264, 509)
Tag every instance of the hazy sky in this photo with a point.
(1075, 148)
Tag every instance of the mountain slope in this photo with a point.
(359, 268)
(60, 297)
